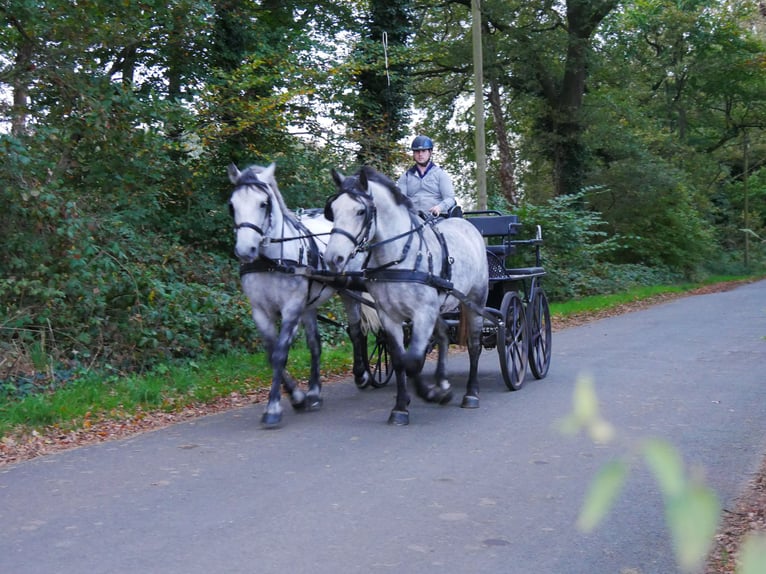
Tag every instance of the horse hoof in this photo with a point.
(436, 394)
(470, 402)
(313, 403)
(271, 420)
(362, 382)
(399, 418)
(301, 405)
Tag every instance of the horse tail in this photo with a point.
(370, 319)
(463, 326)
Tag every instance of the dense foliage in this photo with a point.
(632, 131)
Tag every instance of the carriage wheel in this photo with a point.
(539, 318)
(512, 341)
(379, 360)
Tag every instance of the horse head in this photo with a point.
(353, 214)
(252, 208)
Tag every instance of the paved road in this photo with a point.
(494, 490)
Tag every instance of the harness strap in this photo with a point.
(409, 276)
(446, 263)
(266, 265)
(249, 225)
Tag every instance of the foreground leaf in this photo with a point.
(667, 466)
(753, 554)
(693, 519)
(603, 491)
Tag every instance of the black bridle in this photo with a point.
(361, 240)
(245, 181)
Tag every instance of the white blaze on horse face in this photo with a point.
(250, 206)
(348, 215)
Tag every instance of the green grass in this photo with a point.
(173, 387)
(604, 302)
(168, 388)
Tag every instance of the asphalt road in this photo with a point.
(495, 490)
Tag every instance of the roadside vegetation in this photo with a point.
(41, 399)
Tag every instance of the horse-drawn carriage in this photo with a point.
(433, 282)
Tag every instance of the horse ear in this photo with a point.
(363, 178)
(268, 172)
(233, 173)
(337, 177)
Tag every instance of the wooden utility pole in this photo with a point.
(478, 92)
(746, 170)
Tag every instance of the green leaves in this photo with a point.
(665, 462)
(602, 494)
(585, 414)
(753, 554)
(691, 509)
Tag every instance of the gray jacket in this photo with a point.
(433, 188)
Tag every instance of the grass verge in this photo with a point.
(169, 388)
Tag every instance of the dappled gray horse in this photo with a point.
(415, 270)
(273, 246)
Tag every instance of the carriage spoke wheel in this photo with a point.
(539, 320)
(379, 360)
(512, 341)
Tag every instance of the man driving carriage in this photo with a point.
(425, 183)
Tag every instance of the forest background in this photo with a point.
(631, 131)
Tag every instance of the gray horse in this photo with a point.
(274, 246)
(415, 270)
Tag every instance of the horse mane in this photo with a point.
(372, 175)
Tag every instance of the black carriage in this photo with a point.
(517, 317)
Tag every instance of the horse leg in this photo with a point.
(400, 415)
(278, 358)
(361, 368)
(440, 374)
(471, 397)
(266, 325)
(414, 359)
(313, 400)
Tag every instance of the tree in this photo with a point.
(381, 109)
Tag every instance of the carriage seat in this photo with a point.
(498, 270)
(493, 224)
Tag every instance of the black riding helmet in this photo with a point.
(422, 142)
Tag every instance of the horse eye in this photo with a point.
(264, 205)
(360, 212)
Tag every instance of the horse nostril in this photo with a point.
(247, 255)
(337, 262)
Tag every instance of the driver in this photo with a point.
(425, 183)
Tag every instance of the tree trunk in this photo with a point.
(20, 86)
(507, 170)
(569, 152)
